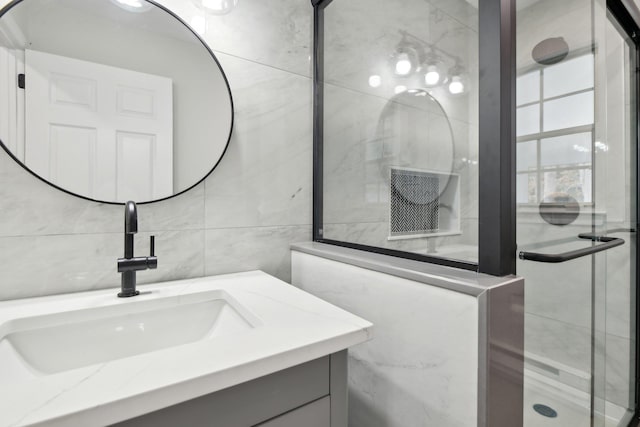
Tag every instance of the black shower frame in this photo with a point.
(497, 146)
(497, 192)
(632, 28)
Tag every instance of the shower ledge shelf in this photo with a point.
(280, 327)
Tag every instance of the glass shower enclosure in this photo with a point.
(576, 188)
(405, 164)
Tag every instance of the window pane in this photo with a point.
(528, 88)
(528, 120)
(526, 155)
(526, 188)
(575, 182)
(566, 150)
(575, 110)
(568, 76)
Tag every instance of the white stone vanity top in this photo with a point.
(289, 327)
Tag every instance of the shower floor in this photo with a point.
(571, 405)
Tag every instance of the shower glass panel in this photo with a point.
(400, 126)
(576, 175)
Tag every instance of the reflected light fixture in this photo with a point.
(432, 76)
(456, 85)
(375, 80)
(399, 89)
(133, 5)
(217, 7)
(403, 64)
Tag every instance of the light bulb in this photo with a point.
(432, 76)
(456, 86)
(375, 80)
(199, 24)
(399, 89)
(403, 64)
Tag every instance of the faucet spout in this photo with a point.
(130, 264)
(130, 218)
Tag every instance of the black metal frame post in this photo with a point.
(619, 11)
(497, 159)
(497, 244)
(318, 114)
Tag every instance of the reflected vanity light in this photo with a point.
(133, 5)
(430, 63)
(399, 89)
(375, 80)
(432, 76)
(199, 24)
(456, 86)
(403, 64)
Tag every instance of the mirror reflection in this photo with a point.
(109, 100)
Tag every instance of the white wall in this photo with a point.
(244, 216)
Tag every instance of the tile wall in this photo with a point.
(242, 217)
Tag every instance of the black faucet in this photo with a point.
(130, 264)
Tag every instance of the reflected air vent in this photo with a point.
(423, 204)
(415, 202)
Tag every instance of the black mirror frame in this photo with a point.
(13, 3)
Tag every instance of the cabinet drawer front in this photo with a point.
(246, 404)
(315, 414)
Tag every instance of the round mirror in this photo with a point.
(110, 100)
(415, 135)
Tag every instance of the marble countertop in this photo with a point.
(294, 327)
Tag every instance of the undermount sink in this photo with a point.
(57, 342)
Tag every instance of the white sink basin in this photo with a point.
(92, 359)
(63, 341)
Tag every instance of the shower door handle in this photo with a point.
(607, 243)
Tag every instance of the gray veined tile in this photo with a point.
(48, 265)
(258, 248)
(33, 207)
(264, 178)
(275, 32)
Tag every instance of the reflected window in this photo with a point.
(555, 125)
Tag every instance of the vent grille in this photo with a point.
(415, 200)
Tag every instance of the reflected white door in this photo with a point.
(98, 130)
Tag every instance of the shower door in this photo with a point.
(577, 220)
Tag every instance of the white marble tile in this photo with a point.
(570, 19)
(34, 208)
(559, 291)
(556, 341)
(619, 367)
(361, 36)
(46, 265)
(258, 248)
(275, 33)
(264, 178)
(615, 290)
(421, 366)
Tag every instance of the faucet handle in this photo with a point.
(152, 245)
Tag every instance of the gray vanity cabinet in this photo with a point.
(313, 394)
